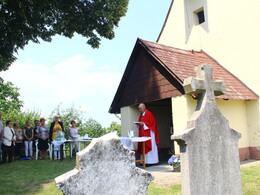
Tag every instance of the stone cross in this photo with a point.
(204, 84)
(208, 147)
(105, 167)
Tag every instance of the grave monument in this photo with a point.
(105, 167)
(208, 146)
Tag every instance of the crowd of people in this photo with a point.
(17, 143)
(13, 138)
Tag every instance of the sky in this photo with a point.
(69, 72)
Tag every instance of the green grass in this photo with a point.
(250, 184)
(173, 190)
(37, 178)
(32, 177)
(251, 180)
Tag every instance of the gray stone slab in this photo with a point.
(209, 148)
(105, 167)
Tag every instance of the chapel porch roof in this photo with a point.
(156, 71)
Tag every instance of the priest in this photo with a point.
(147, 127)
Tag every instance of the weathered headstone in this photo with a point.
(105, 167)
(208, 147)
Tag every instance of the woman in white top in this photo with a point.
(8, 142)
(74, 133)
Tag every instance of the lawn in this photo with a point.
(251, 180)
(32, 177)
(37, 178)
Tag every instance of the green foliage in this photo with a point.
(90, 127)
(93, 128)
(11, 105)
(66, 116)
(20, 117)
(22, 21)
(114, 126)
(9, 97)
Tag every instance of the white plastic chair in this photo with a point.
(37, 151)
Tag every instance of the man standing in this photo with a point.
(148, 128)
(1, 137)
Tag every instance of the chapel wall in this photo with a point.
(253, 115)
(129, 114)
(235, 111)
(230, 34)
(180, 114)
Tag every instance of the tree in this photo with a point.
(93, 128)
(11, 105)
(9, 97)
(22, 21)
(90, 127)
(17, 116)
(114, 126)
(66, 116)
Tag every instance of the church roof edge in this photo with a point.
(179, 64)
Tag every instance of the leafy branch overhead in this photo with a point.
(9, 97)
(22, 21)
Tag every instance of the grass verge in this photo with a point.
(31, 176)
(37, 178)
(251, 180)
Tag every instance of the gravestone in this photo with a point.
(208, 147)
(105, 167)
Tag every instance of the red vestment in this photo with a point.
(149, 120)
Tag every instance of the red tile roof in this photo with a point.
(182, 63)
(156, 72)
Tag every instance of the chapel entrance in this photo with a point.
(162, 110)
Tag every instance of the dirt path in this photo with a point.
(164, 176)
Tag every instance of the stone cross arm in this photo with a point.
(204, 84)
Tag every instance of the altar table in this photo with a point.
(126, 141)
